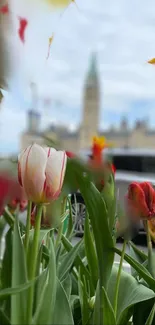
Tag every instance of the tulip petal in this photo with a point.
(33, 164)
(137, 201)
(149, 195)
(21, 164)
(49, 150)
(55, 171)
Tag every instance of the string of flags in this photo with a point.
(22, 22)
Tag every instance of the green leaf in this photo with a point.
(138, 252)
(40, 287)
(73, 299)
(78, 263)
(68, 260)
(70, 220)
(141, 270)
(16, 290)
(4, 319)
(58, 253)
(137, 255)
(107, 310)
(85, 309)
(67, 285)
(142, 310)
(99, 219)
(151, 316)
(19, 276)
(46, 301)
(90, 253)
(108, 194)
(134, 293)
(6, 277)
(62, 310)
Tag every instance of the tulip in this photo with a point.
(22, 204)
(9, 188)
(70, 154)
(141, 200)
(151, 228)
(41, 173)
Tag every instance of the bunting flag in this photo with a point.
(49, 46)
(22, 27)
(60, 3)
(4, 9)
(22, 22)
(152, 61)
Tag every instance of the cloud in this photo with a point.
(122, 33)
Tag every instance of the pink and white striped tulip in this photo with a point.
(41, 172)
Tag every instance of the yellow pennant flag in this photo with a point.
(152, 61)
(60, 3)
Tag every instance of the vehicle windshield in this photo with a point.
(142, 164)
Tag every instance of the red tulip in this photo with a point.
(22, 204)
(70, 154)
(141, 200)
(9, 188)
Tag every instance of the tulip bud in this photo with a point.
(22, 204)
(151, 228)
(141, 201)
(41, 173)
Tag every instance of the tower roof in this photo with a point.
(92, 76)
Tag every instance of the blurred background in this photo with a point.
(95, 81)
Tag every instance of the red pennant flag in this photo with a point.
(22, 26)
(4, 9)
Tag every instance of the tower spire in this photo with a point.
(91, 107)
(92, 76)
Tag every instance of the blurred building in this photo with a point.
(138, 137)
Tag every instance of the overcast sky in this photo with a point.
(123, 35)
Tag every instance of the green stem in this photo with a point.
(28, 226)
(33, 261)
(150, 252)
(60, 229)
(119, 278)
(59, 234)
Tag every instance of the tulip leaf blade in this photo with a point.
(105, 304)
(46, 302)
(69, 232)
(62, 310)
(19, 277)
(135, 292)
(6, 277)
(67, 285)
(151, 316)
(16, 290)
(68, 260)
(79, 263)
(90, 252)
(137, 255)
(141, 270)
(99, 220)
(83, 296)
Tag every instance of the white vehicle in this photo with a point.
(132, 165)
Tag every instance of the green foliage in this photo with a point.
(75, 284)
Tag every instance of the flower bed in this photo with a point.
(47, 280)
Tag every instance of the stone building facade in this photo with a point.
(140, 136)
